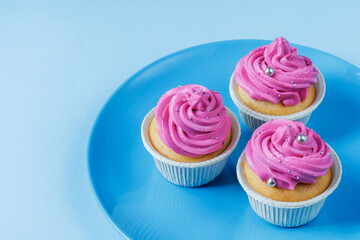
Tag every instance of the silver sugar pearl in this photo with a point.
(289, 171)
(219, 114)
(207, 117)
(217, 138)
(279, 95)
(294, 85)
(301, 138)
(189, 118)
(269, 71)
(279, 160)
(196, 92)
(297, 178)
(271, 182)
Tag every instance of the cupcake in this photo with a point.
(274, 81)
(287, 170)
(190, 135)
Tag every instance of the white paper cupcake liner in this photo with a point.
(288, 214)
(253, 119)
(190, 174)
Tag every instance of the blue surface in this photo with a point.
(61, 60)
(143, 205)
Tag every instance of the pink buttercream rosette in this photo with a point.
(275, 152)
(192, 120)
(293, 74)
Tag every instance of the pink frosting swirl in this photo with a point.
(192, 120)
(274, 151)
(293, 73)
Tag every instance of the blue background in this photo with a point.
(60, 62)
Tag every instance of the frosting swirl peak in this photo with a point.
(192, 120)
(293, 73)
(274, 151)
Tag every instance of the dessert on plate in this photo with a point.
(190, 134)
(287, 171)
(275, 81)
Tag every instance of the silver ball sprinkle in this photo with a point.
(269, 71)
(212, 137)
(217, 138)
(219, 114)
(207, 117)
(294, 85)
(289, 171)
(176, 110)
(189, 118)
(297, 178)
(161, 118)
(279, 160)
(297, 75)
(292, 82)
(279, 95)
(301, 138)
(184, 99)
(271, 182)
(196, 92)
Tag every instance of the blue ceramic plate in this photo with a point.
(143, 205)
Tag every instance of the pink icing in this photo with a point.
(293, 73)
(273, 151)
(192, 120)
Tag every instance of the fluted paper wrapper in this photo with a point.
(253, 119)
(288, 214)
(190, 174)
